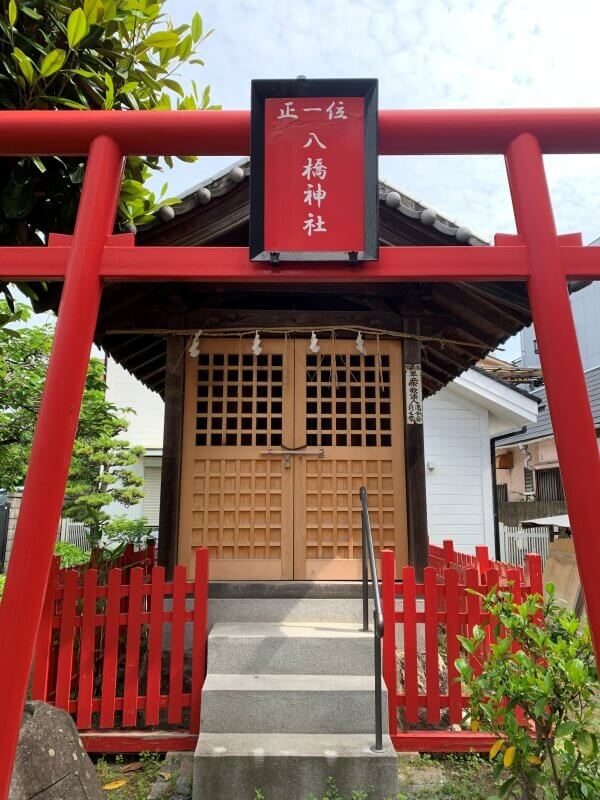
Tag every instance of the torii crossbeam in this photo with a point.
(94, 256)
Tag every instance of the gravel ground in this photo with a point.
(179, 785)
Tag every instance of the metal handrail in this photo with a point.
(368, 564)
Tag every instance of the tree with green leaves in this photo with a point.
(88, 54)
(100, 472)
(541, 665)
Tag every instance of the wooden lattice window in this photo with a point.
(348, 401)
(239, 400)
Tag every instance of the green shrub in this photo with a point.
(545, 666)
(70, 555)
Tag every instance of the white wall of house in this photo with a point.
(460, 420)
(146, 419)
(458, 471)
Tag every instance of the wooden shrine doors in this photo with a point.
(275, 450)
(349, 407)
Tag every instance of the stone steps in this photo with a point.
(290, 649)
(291, 767)
(285, 610)
(288, 704)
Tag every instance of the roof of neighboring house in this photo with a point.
(465, 321)
(511, 373)
(515, 388)
(542, 429)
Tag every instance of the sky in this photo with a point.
(426, 54)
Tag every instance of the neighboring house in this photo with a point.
(145, 430)
(527, 462)
(459, 422)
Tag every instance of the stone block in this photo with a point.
(51, 763)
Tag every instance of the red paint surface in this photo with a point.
(139, 742)
(33, 546)
(141, 607)
(92, 256)
(446, 609)
(227, 133)
(314, 174)
(566, 389)
(232, 264)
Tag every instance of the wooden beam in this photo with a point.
(232, 264)
(168, 523)
(148, 320)
(414, 450)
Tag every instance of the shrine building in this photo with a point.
(282, 399)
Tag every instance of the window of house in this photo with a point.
(549, 485)
(535, 346)
(502, 492)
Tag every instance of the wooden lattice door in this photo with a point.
(234, 499)
(276, 448)
(348, 410)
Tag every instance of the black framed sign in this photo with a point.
(313, 185)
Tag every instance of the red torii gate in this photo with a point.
(94, 256)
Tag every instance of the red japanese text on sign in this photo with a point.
(314, 174)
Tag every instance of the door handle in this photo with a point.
(294, 451)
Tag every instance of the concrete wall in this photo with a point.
(514, 513)
(14, 498)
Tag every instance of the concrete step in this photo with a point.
(318, 648)
(292, 766)
(288, 703)
(285, 609)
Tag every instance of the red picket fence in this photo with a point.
(446, 556)
(130, 558)
(432, 615)
(101, 655)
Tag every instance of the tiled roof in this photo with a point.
(226, 180)
(542, 429)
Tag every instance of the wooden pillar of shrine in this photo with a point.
(414, 444)
(168, 522)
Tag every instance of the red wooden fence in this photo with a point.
(101, 654)
(432, 615)
(447, 556)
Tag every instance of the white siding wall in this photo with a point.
(458, 471)
(147, 408)
(151, 501)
